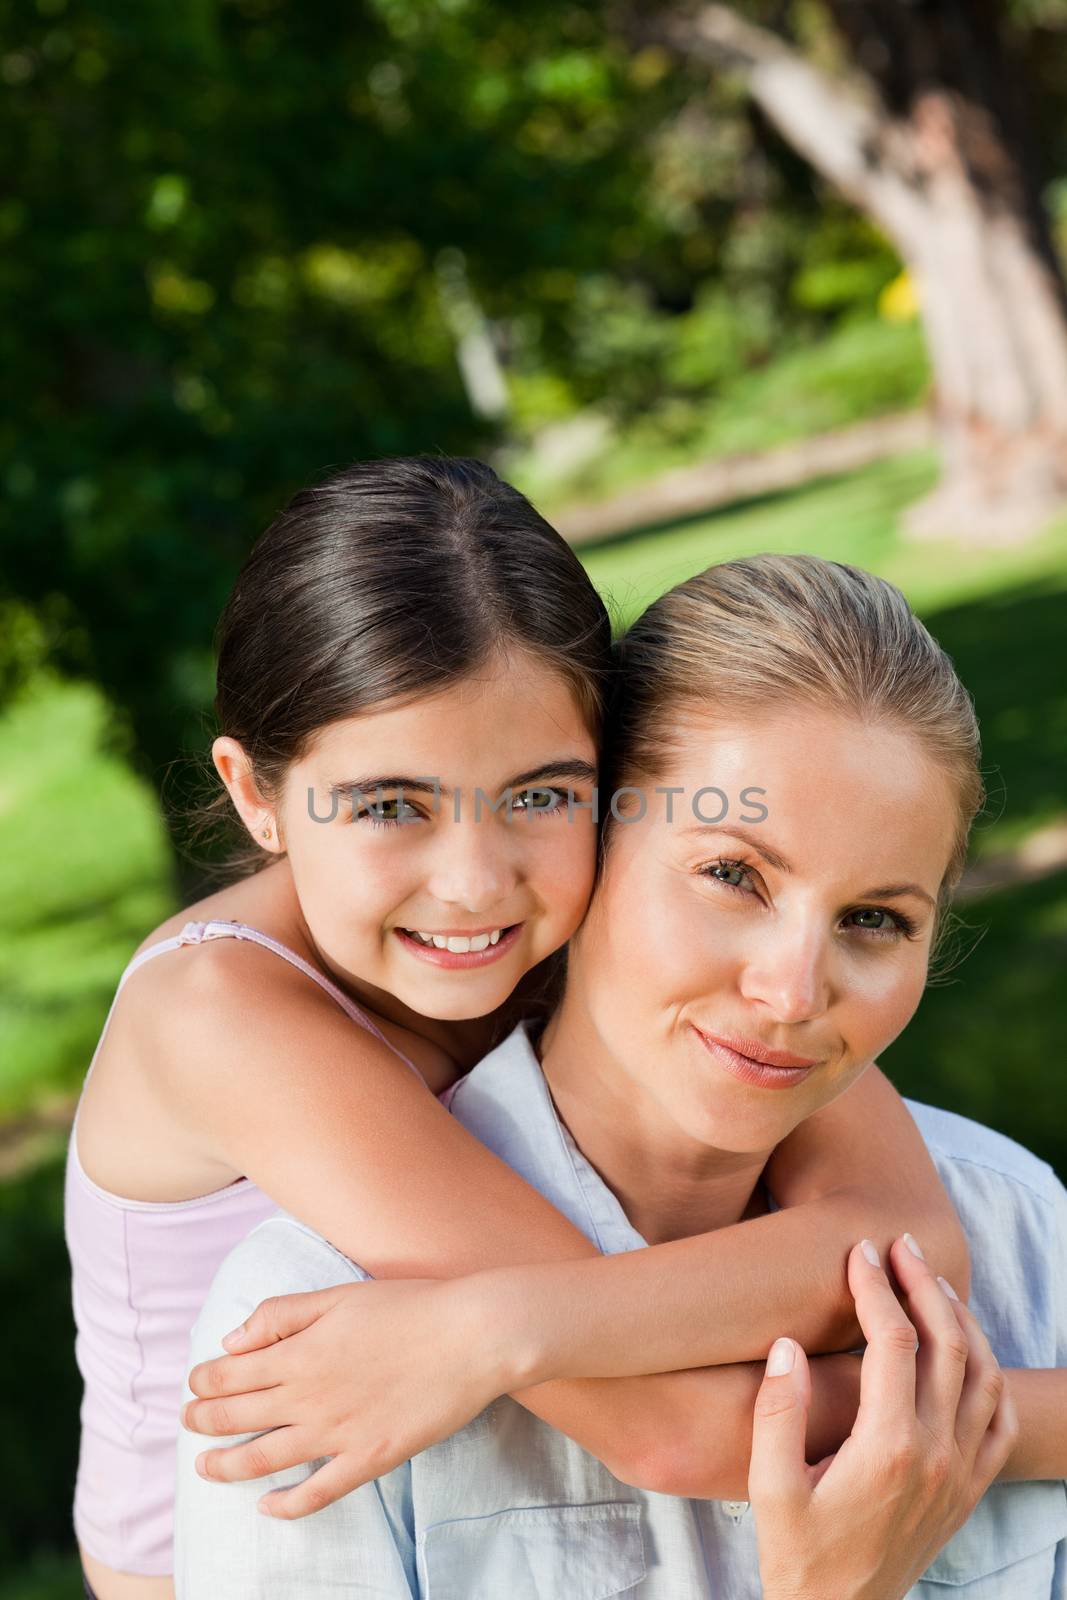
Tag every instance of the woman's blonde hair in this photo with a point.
(768, 632)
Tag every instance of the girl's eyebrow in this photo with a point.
(566, 767)
(773, 859)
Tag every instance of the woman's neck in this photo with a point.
(669, 1184)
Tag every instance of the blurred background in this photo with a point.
(780, 275)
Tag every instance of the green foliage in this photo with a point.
(84, 873)
(221, 236)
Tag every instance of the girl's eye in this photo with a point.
(386, 813)
(545, 802)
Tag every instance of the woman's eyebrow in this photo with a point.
(885, 892)
(565, 767)
(772, 858)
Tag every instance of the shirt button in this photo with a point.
(735, 1509)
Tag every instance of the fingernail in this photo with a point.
(913, 1246)
(949, 1290)
(870, 1250)
(235, 1336)
(780, 1361)
(201, 1458)
(261, 1505)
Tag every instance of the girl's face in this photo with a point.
(392, 876)
(802, 938)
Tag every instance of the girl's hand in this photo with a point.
(366, 1373)
(935, 1425)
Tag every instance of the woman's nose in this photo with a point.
(788, 973)
(476, 868)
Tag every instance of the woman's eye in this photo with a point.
(734, 874)
(881, 922)
(384, 812)
(545, 801)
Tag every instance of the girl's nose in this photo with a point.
(475, 869)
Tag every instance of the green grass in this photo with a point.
(987, 1041)
(854, 517)
(862, 369)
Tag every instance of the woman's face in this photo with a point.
(803, 936)
(516, 879)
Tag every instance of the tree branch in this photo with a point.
(839, 126)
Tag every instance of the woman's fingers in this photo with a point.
(887, 1375)
(241, 1413)
(257, 1458)
(777, 1470)
(280, 1316)
(944, 1348)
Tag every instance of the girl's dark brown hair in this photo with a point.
(386, 582)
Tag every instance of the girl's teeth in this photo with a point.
(456, 942)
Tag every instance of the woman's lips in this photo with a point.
(453, 959)
(775, 1069)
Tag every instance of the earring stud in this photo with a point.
(266, 833)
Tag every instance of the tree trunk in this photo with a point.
(926, 139)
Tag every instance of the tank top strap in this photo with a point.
(201, 932)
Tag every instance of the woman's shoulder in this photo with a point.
(964, 1142)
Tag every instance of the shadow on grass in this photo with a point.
(988, 1042)
(1009, 650)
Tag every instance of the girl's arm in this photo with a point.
(1040, 1395)
(356, 1147)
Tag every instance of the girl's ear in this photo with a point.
(235, 770)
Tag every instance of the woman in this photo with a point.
(731, 980)
(408, 643)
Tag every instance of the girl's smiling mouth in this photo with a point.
(454, 949)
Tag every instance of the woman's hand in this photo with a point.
(374, 1372)
(935, 1425)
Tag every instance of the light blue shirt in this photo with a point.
(510, 1509)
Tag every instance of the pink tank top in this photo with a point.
(141, 1270)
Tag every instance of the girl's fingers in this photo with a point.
(256, 1458)
(997, 1443)
(338, 1477)
(777, 1470)
(281, 1316)
(241, 1413)
(944, 1349)
(983, 1385)
(236, 1374)
(887, 1375)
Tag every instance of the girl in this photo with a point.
(410, 676)
(786, 955)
